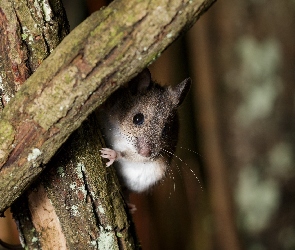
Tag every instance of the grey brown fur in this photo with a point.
(140, 124)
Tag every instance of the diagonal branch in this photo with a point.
(105, 51)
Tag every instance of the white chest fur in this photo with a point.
(139, 176)
(136, 172)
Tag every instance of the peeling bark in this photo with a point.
(90, 63)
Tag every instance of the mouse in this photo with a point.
(139, 123)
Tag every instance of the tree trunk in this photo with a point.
(77, 203)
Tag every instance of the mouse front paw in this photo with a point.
(110, 154)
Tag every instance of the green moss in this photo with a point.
(119, 235)
(7, 134)
(24, 36)
(34, 239)
(60, 171)
(51, 105)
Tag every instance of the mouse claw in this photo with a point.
(109, 154)
(132, 208)
(109, 163)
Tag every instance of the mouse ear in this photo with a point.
(179, 92)
(141, 82)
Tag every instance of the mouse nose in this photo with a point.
(146, 152)
(143, 147)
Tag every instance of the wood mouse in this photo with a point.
(139, 123)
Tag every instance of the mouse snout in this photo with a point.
(146, 152)
(144, 148)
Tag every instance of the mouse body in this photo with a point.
(139, 123)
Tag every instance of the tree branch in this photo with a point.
(90, 63)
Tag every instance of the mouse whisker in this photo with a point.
(192, 151)
(169, 174)
(188, 167)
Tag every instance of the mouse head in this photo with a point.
(148, 115)
(142, 83)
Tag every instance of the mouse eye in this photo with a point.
(138, 119)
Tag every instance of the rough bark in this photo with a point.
(90, 63)
(28, 35)
(77, 204)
